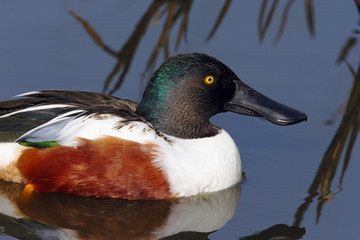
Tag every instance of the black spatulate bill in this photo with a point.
(248, 101)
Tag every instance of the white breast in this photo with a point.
(195, 166)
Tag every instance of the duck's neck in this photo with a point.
(179, 120)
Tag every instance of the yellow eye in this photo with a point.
(209, 79)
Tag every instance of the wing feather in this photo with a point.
(42, 114)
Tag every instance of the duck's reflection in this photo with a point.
(278, 231)
(95, 218)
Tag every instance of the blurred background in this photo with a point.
(301, 181)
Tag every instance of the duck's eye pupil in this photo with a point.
(209, 79)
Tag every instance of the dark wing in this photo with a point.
(35, 108)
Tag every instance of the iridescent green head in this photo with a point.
(185, 92)
(188, 89)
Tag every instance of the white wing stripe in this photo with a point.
(27, 94)
(37, 108)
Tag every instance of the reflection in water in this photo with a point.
(279, 231)
(345, 135)
(351, 42)
(49, 215)
(171, 11)
(73, 217)
(265, 18)
(219, 19)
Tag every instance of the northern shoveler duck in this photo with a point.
(92, 144)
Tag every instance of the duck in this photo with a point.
(164, 147)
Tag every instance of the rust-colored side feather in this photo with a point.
(103, 167)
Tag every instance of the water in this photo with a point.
(42, 46)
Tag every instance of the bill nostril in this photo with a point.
(251, 93)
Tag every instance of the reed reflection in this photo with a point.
(266, 15)
(171, 11)
(342, 143)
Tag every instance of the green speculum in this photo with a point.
(47, 144)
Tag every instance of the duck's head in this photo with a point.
(188, 89)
